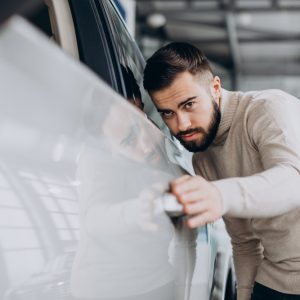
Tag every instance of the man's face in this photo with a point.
(190, 110)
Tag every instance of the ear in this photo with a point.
(216, 89)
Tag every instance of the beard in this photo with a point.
(207, 136)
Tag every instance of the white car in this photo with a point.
(84, 208)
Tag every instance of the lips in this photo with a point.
(188, 137)
(190, 134)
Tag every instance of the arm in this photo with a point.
(267, 194)
(272, 130)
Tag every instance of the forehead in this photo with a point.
(183, 87)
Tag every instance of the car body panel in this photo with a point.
(61, 145)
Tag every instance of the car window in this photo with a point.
(129, 55)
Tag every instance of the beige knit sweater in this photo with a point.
(255, 163)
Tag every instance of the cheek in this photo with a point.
(202, 117)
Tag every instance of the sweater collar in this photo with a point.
(228, 106)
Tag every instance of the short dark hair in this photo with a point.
(169, 61)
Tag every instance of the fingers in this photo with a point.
(195, 208)
(190, 197)
(185, 184)
(199, 220)
(179, 181)
(201, 200)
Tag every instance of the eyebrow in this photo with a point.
(179, 104)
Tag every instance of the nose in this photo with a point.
(183, 121)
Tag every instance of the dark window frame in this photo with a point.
(95, 46)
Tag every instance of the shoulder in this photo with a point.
(268, 99)
(270, 104)
(271, 114)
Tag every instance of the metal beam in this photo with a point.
(237, 9)
(271, 38)
(274, 4)
(262, 31)
(216, 24)
(260, 39)
(259, 68)
(234, 48)
(261, 34)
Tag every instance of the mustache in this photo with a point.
(189, 131)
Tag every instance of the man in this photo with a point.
(247, 157)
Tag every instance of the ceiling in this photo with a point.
(257, 37)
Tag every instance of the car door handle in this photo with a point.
(171, 205)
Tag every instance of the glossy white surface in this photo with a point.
(68, 139)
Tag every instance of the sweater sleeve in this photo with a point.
(272, 130)
(247, 254)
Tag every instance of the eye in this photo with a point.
(189, 104)
(167, 114)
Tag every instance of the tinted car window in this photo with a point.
(130, 56)
(94, 41)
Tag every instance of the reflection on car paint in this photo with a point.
(62, 145)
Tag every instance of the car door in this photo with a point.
(105, 46)
(73, 150)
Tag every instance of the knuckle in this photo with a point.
(175, 190)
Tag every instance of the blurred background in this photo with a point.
(252, 44)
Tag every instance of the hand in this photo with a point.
(201, 200)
